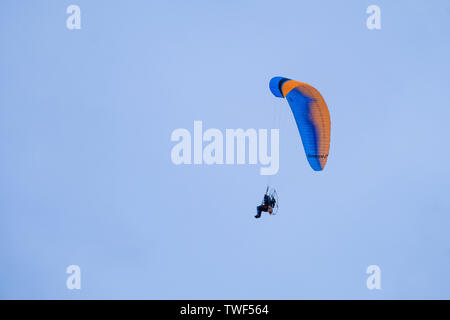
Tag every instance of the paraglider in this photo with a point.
(311, 115)
(269, 203)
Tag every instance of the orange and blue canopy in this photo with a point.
(311, 115)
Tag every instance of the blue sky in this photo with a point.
(86, 176)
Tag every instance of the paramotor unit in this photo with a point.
(272, 193)
(269, 203)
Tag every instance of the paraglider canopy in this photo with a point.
(311, 115)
